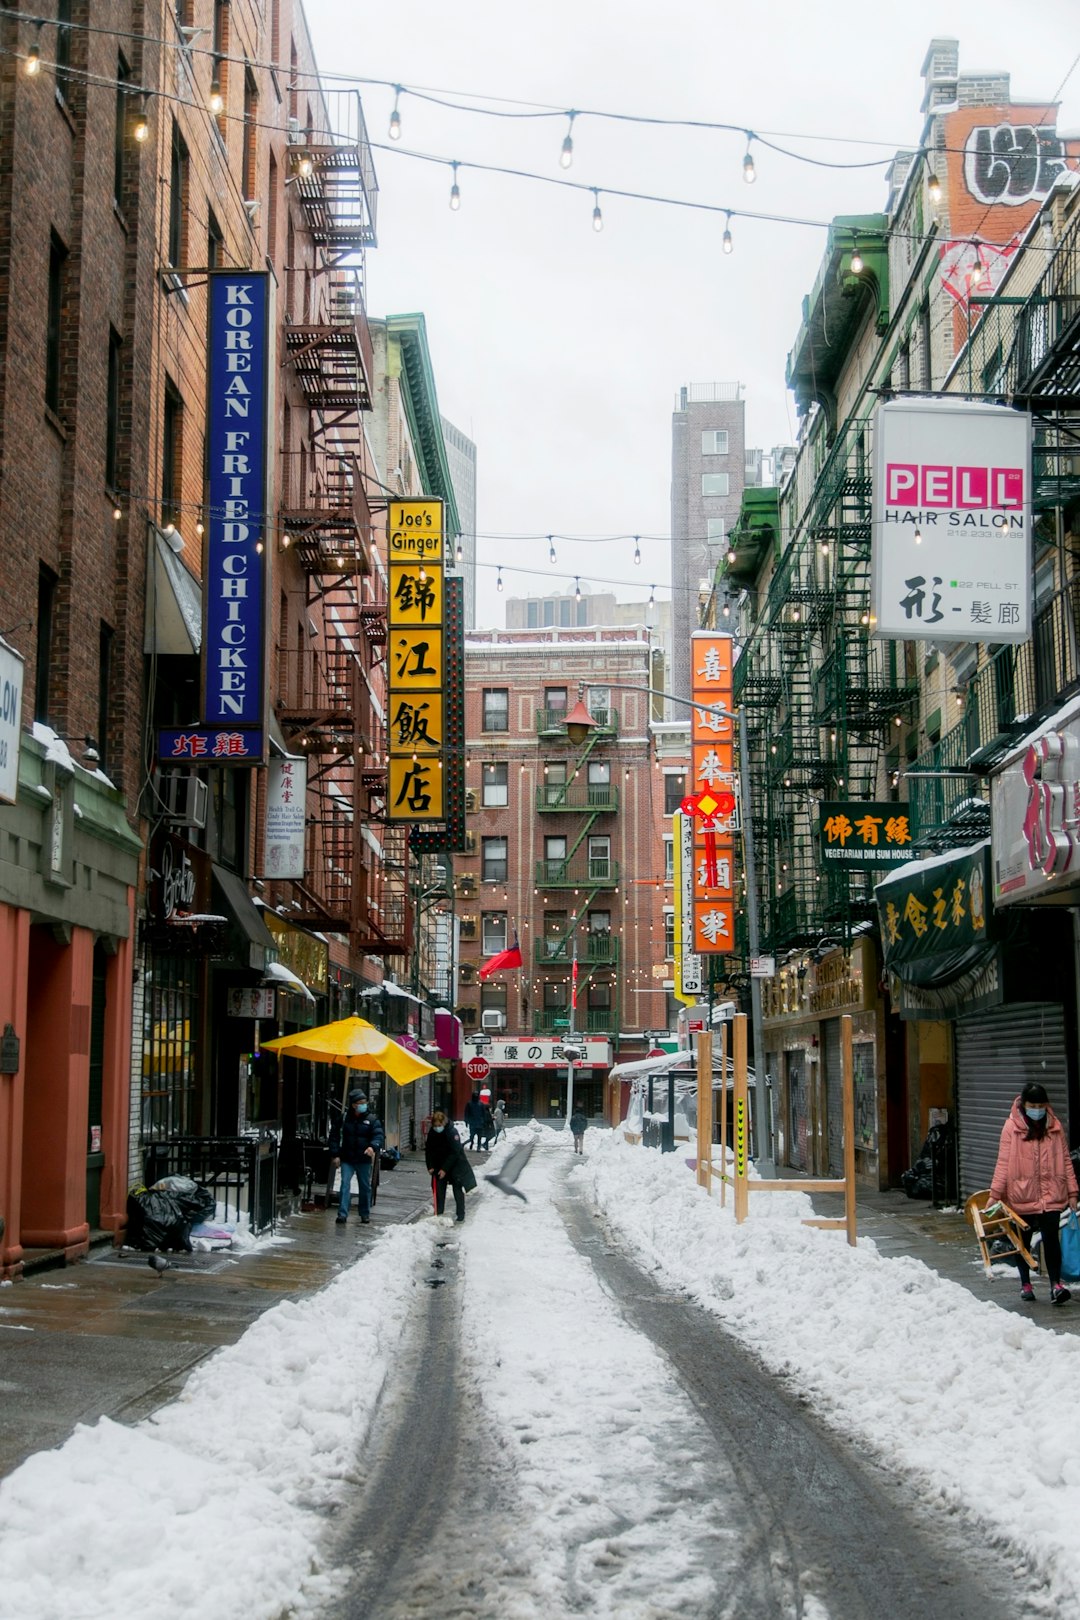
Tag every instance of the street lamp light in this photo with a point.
(579, 723)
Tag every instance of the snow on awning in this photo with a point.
(283, 978)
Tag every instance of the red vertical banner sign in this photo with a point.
(712, 739)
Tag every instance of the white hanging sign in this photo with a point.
(286, 799)
(11, 691)
(951, 548)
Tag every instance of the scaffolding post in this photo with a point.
(723, 1115)
(742, 1196)
(847, 1068)
(704, 1110)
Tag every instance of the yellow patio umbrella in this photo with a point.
(357, 1044)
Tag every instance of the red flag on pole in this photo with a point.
(501, 961)
(573, 983)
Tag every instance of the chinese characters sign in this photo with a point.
(951, 521)
(234, 643)
(286, 796)
(936, 906)
(854, 833)
(712, 753)
(416, 658)
(687, 962)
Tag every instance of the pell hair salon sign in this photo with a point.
(951, 552)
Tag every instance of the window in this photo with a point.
(554, 856)
(251, 134)
(105, 657)
(495, 786)
(715, 530)
(565, 610)
(599, 790)
(600, 857)
(555, 996)
(215, 243)
(598, 703)
(715, 483)
(496, 709)
(674, 791)
(46, 605)
(493, 999)
(555, 928)
(669, 935)
(63, 49)
(178, 180)
(549, 612)
(272, 209)
(493, 932)
(123, 74)
(555, 698)
(112, 412)
(669, 858)
(171, 431)
(714, 442)
(925, 348)
(903, 367)
(493, 860)
(599, 922)
(599, 996)
(219, 68)
(532, 614)
(54, 321)
(554, 785)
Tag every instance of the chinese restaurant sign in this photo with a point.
(934, 907)
(416, 661)
(687, 961)
(951, 550)
(854, 833)
(712, 752)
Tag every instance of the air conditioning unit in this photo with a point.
(470, 843)
(472, 801)
(466, 887)
(492, 1018)
(186, 798)
(467, 972)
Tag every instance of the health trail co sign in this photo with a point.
(951, 558)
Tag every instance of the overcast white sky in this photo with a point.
(559, 350)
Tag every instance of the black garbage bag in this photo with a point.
(918, 1181)
(156, 1221)
(196, 1202)
(389, 1157)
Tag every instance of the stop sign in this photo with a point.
(656, 1051)
(478, 1068)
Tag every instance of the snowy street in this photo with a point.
(607, 1400)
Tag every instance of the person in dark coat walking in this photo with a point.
(579, 1125)
(354, 1143)
(474, 1119)
(447, 1163)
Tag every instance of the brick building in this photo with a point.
(568, 844)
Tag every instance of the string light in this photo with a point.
(455, 191)
(394, 131)
(725, 241)
(637, 552)
(652, 597)
(577, 589)
(597, 216)
(566, 156)
(857, 265)
(933, 190)
(459, 553)
(551, 549)
(32, 65)
(917, 537)
(141, 127)
(749, 173)
(498, 580)
(217, 100)
(305, 165)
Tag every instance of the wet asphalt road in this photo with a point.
(806, 1528)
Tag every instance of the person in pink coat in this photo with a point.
(1034, 1175)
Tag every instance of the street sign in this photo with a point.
(478, 1040)
(762, 967)
(478, 1068)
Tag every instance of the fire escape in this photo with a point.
(353, 885)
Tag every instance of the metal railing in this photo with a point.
(240, 1171)
(587, 1020)
(552, 722)
(575, 796)
(601, 872)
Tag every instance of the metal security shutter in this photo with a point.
(798, 1110)
(834, 1097)
(997, 1053)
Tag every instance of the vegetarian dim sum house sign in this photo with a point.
(951, 554)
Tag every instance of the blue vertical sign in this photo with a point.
(234, 643)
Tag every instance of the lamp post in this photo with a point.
(579, 723)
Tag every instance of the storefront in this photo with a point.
(530, 1075)
(68, 870)
(802, 1006)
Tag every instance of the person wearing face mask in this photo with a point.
(1034, 1175)
(354, 1143)
(447, 1164)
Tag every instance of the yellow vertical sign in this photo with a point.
(416, 661)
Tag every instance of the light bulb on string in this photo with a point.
(551, 548)
(455, 191)
(725, 241)
(577, 589)
(566, 156)
(394, 131)
(597, 216)
(459, 553)
(217, 100)
(857, 265)
(32, 65)
(749, 172)
(652, 596)
(498, 579)
(117, 514)
(305, 165)
(933, 190)
(637, 552)
(141, 127)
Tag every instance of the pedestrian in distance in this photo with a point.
(487, 1129)
(579, 1125)
(354, 1142)
(474, 1120)
(498, 1114)
(446, 1161)
(1034, 1175)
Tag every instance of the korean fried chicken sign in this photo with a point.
(951, 558)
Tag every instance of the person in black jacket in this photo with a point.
(474, 1119)
(354, 1143)
(579, 1125)
(447, 1162)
